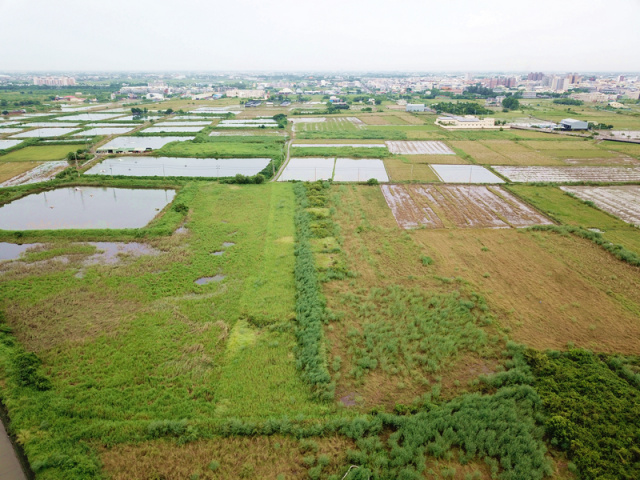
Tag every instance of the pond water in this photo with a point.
(45, 132)
(178, 167)
(84, 207)
(169, 128)
(205, 280)
(11, 251)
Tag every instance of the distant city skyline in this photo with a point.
(291, 36)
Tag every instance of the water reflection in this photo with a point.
(85, 207)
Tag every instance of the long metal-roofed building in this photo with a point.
(573, 124)
(466, 122)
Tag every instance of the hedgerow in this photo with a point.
(310, 305)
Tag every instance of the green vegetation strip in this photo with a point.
(310, 304)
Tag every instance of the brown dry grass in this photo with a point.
(479, 152)
(515, 154)
(384, 119)
(238, 458)
(9, 170)
(73, 315)
(436, 159)
(400, 171)
(548, 289)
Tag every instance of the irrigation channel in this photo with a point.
(11, 468)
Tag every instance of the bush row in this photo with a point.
(310, 305)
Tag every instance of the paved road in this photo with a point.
(10, 468)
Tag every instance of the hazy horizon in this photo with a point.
(286, 36)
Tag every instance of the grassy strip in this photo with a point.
(618, 251)
(310, 305)
(350, 152)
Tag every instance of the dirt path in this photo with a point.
(286, 158)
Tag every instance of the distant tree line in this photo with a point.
(461, 108)
(568, 101)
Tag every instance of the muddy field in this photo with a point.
(569, 174)
(442, 206)
(419, 148)
(623, 201)
(356, 121)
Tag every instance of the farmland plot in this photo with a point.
(406, 211)
(465, 174)
(172, 129)
(9, 143)
(569, 174)
(336, 145)
(103, 131)
(438, 206)
(622, 201)
(308, 169)
(419, 148)
(479, 152)
(45, 132)
(35, 173)
(349, 170)
(7, 131)
(356, 121)
(330, 125)
(516, 154)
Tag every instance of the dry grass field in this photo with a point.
(401, 171)
(549, 290)
(9, 170)
(228, 458)
(515, 154)
(479, 152)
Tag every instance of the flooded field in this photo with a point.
(9, 143)
(570, 174)
(337, 145)
(41, 173)
(183, 124)
(308, 169)
(349, 170)
(441, 206)
(7, 131)
(465, 174)
(139, 144)
(12, 251)
(89, 117)
(104, 131)
(84, 207)
(48, 124)
(45, 132)
(419, 148)
(179, 167)
(622, 202)
(169, 128)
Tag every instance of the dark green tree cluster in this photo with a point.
(593, 413)
(281, 118)
(511, 103)
(568, 101)
(461, 108)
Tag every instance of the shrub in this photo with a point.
(27, 371)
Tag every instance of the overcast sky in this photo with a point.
(294, 35)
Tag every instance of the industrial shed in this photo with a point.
(572, 124)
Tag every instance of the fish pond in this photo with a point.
(85, 207)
